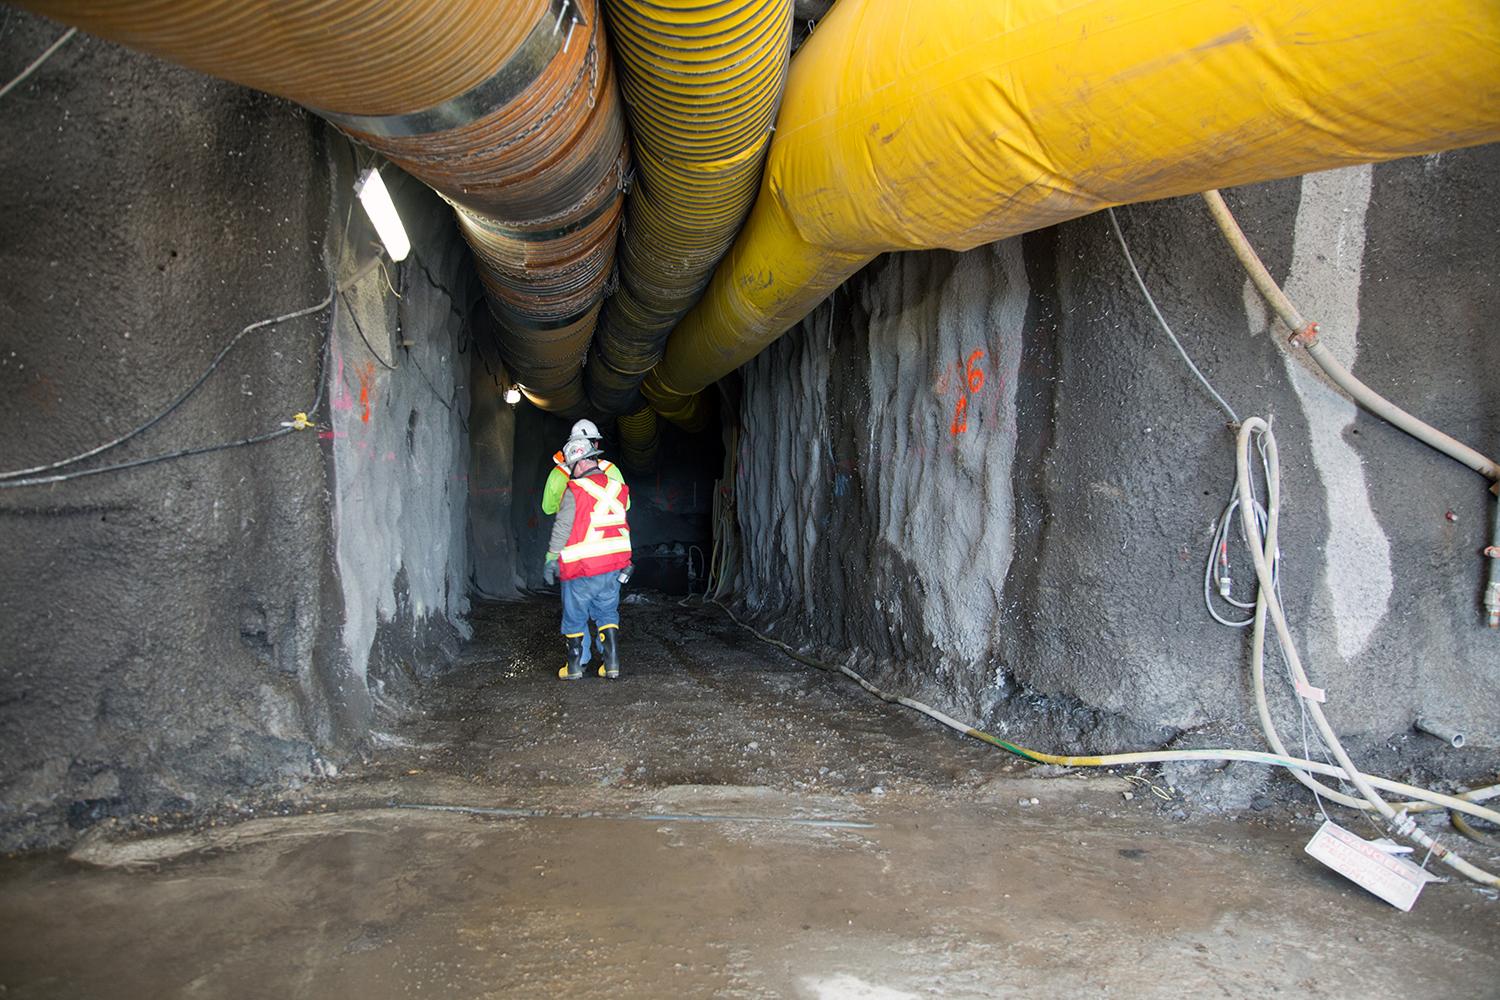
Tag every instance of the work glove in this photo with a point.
(549, 571)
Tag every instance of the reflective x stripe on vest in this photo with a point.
(600, 539)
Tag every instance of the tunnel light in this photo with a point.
(512, 395)
(382, 212)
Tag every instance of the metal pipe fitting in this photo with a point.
(1442, 731)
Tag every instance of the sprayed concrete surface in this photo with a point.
(722, 822)
(192, 627)
(991, 473)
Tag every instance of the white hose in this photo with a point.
(1306, 334)
(1467, 802)
(1259, 545)
(36, 63)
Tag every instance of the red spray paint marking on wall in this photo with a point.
(974, 376)
(366, 378)
(341, 400)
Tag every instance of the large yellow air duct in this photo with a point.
(702, 80)
(508, 110)
(953, 123)
(638, 439)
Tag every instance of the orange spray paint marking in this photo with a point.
(366, 377)
(974, 376)
(960, 416)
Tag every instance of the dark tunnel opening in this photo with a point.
(671, 516)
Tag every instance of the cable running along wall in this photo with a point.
(508, 110)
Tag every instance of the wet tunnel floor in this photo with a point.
(721, 822)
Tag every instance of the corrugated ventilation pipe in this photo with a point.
(952, 124)
(702, 82)
(508, 110)
(638, 439)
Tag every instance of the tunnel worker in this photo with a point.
(590, 551)
(557, 479)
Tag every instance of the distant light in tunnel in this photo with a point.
(382, 212)
(512, 395)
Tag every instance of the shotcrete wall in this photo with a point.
(197, 627)
(492, 461)
(987, 477)
(398, 437)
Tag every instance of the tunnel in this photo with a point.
(1058, 443)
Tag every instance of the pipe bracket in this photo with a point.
(1306, 336)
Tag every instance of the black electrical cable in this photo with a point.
(18, 478)
(361, 330)
(430, 387)
(390, 367)
(182, 398)
(202, 449)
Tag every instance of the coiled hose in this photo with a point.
(639, 439)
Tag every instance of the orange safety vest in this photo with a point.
(600, 539)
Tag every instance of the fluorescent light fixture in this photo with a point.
(512, 395)
(382, 212)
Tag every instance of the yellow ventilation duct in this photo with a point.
(638, 439)
(702, 82)
(954, 123)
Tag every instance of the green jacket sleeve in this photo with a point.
(613, 472)
(552, 493)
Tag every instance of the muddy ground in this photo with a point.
(723, 821)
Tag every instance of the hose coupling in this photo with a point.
(1492, 604)
(1307, 335)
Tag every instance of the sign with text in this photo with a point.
(1393, 879)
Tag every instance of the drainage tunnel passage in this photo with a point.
(1018, 586)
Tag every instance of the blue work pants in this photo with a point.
(596, 597)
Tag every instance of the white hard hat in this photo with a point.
(578, 449)
(586, 429)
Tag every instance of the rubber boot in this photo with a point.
(611, 666)
(577, 657)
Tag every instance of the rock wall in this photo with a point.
(398, 408)
(492, 463)
(194, 627)
(988, 477)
